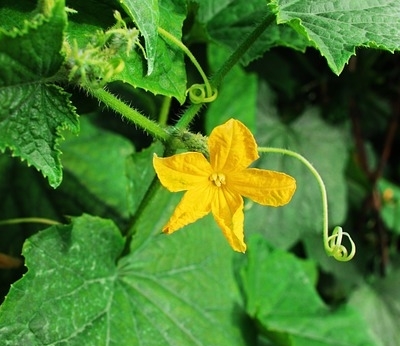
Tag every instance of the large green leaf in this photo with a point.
(325, 147)
(33, 111)
(170, 290)
(184, 286)
(109, 185)
(67, 294)
(285, 304)
(336, 28)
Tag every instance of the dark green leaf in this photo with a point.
(32, 111)
(283, 300)
(96, 181)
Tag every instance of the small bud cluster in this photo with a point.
(99, 61)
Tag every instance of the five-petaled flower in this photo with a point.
(218, 185)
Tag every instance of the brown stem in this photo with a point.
(387, 148)
(359, 140)
(9, 262)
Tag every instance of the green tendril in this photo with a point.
(332, 243)
(17, 221)
(198, 93)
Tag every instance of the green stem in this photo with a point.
(241, 50)
(332, 243)
(178, 43)
(151, 191)
(216, 80)
(133, 115)
(131, 229)
(164, 111)
(29, 220)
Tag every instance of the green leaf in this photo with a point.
(146, 15)
(170, 290)
(233, 23)
(283, 301)
(209, 8)
(33, 111)
(168, 76)
(13, 14)
(189, 296)
(379, 304)
(336, 28)
(96, 178)
(237, 96)
(67, 296)
(325, 147)
(390, 210)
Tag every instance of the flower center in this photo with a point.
(218, 179)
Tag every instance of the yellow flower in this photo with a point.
(218, 186)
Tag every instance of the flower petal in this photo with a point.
(232, 147)
(182, 171)
(227, 208)
(194, 205)
(263, 186)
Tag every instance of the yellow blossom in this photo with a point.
(217, 186)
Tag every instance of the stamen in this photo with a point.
(218, 179)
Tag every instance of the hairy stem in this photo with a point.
(133, 115)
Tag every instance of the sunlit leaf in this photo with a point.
(171, 290)
(337, 28)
